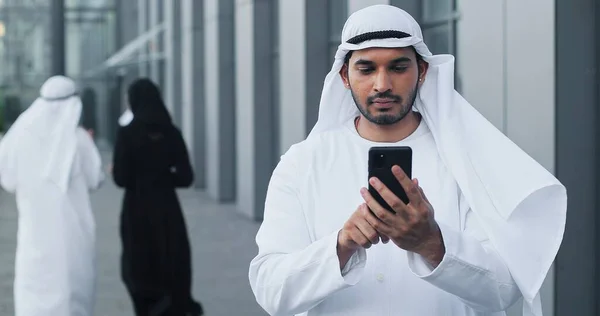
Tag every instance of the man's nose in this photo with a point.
(383, 82)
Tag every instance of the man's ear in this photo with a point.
(344, 75)
(423, 67)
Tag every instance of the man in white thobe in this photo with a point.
(51, 164)
(484, 221)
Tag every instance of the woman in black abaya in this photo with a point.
(150, 161)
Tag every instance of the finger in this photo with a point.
(382, 214)
(384, 239)
(388, 196)
(369, 232)
(409, 186)
(423, 195)
(359, 238)
(380, 227)
(416, 181)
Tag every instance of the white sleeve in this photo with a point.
(471, 268)
(91, 161)
(292, 273)
(8, 162)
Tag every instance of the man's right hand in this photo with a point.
(358, 232)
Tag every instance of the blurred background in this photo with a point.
(242, 79)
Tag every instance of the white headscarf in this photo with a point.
(48, 127)
(521, 206)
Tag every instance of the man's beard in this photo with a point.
(384, 118)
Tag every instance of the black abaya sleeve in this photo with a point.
(121, 167)
(183, 174)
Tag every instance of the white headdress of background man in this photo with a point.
(48, 129)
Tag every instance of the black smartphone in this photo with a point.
(381, 161)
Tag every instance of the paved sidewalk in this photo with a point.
(222, 245)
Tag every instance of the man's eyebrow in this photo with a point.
(364, 62)
(401, 60)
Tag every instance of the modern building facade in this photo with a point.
(26, 40)
(243, 79)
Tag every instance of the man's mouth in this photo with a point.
(384, 103)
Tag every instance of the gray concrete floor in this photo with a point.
(222, 245)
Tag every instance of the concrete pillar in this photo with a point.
(192, 88)
(220, 98)
(57, 20)
(577, 131)
(509, 91)
(142, 8)
(155, 44)
(172, 48)
(293, 74)
(482, 66)
(256, 107)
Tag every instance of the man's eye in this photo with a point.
(365, 71)
(400, 69)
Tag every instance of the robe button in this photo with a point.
(379, 277)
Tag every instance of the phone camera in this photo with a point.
(379, 161)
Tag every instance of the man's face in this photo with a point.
(383, 82)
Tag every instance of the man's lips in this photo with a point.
(381, 100)
(384, 103)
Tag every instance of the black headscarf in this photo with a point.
(147, 104)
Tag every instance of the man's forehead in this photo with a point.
(383, 53)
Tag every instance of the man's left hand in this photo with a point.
(413, 227)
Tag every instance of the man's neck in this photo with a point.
(388, 133)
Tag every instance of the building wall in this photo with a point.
(154, 15)
(192, 89)
(506, 66)
(172, 64)
(257, 102)
(91, 37)
(73, 45)
(211, 99)
(244, 76)
(292, 101)
(220, 95)
(577, 142)
(355, 5)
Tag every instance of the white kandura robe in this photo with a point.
(315, 189)
(55, 259)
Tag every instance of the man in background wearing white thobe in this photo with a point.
(50, 164)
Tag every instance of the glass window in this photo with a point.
(438, 23)
(437, 9)
(337, 15)
(439, 39)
